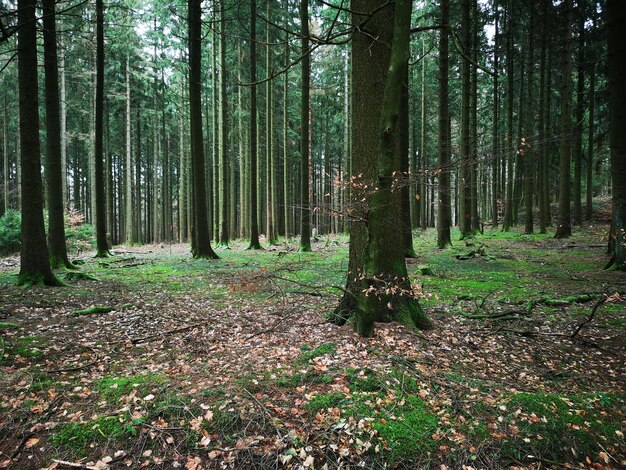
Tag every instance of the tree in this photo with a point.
(54, 176)
(201, 246)
(386, 292)
(465, 196)
(305, 134)
(102, 246)
(34, 260)
(253, 150)
(443, 191)
(616, 18)
(564, 228)
(224, 130)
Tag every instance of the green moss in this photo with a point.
(112, 388)
(78, 436)
(326, 349)
(323, 401)
(364, 380)
(407, 430)
(5, 325)
(301, 378)
(29, 347)
(92, 310)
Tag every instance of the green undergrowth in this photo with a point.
(26, 347)
(114, 387)
(325, 349)
(555, 428)
(79, 436)
(400, 423)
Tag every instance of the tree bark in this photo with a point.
(54, 176)
(100, 208)
(305, 142)
(443, 190)
(385, 293)
(564, 228)
(253, 146)
(616, 18)
(34, 260)
(202, 245)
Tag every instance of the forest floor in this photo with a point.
(231, 363)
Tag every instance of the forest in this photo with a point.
(305, 234)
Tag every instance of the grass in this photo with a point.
(92, 310)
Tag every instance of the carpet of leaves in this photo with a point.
(219, 376)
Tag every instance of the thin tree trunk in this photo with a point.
(564, 228)
(54, 176)
(100, 207)
(509, 148)
(495, 124)
(305, 142)
(529, 150)
(254, 221)
(590, 140)
(224, 129)
(128, 170)
(577, 136)
(443, 192)
(202, 246)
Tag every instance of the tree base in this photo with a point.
(206, 255)
(410, 253)
(27, 280)
(102, 254)
(58, 262)
(306, 248)
(255, 246)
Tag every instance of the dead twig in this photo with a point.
(603, 298)
(77, 368)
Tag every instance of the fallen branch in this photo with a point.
(603, 298)
(75, 465)
(77, 368)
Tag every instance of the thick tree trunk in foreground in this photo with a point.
(385, 293)
(370, 58)
(34, 260)
(202, 246)
(616, 18)
(54, 176)
(443, 191)
(224, 142)
(564, 227)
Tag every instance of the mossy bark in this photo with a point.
(305, 131)
(384, 292)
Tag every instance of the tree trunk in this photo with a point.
(564, 229)
(305, 137)
(616, 18)
(542, 153)
(465, 195)
(370, 59)
(385, 266)
(54, 176)
(224, 130)
(495, 125)
(254, 205)
(34, 260)
(510, 145)
(100, 208)
(529, 149)
(128, 170)
(202, 245)
(269, 137)
(443, 191)
(577, 135)
(590, 140)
